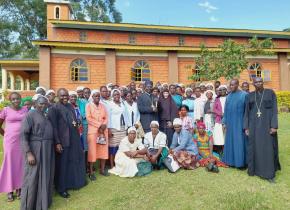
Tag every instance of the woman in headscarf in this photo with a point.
(204, 141)
(50, 94)
(27, 102)
(38, 147)
(167, 111)
(189, 101)
(155, 142)
(12, 164)
(97, 118)
(117, 124)
(183, 148)
(218, 133)
(208, 111)
(131, 152)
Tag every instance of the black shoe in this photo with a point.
(64, 194)
(10, 197)
(92, 177)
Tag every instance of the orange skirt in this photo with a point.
(97, 151)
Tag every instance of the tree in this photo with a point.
(229, 60)
(22, 21)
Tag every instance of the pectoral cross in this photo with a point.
(259, 113)
(74, 123)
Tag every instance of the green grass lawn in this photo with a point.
(198, 189)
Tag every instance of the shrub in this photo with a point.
(283, 99)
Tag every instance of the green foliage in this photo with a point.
(22, 21)
(283, 98)
(5, 102)
(96, 10)
(230, 60)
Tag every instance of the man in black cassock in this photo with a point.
(147, 107)
(70, 170)
(261, 124)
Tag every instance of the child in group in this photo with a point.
(204, 141)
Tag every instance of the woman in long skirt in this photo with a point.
(12, 165)
(38, 147)
(117, 124)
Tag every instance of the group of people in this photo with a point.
(53, 139)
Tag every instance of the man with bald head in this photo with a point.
(261, 124)
(235, 141)
(70, 172)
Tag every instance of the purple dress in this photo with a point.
(12, 165)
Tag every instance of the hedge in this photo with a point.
(283, 98)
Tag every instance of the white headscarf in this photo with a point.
(188, 89)
(80, 88)
(36, 96)
(209, 84)
(223, 86)
(112, 92)
(72, 92)
(154, 122)
(132, 129)
(177, 121)
(40, 87)
(49, 92)
(209, 91)
(92, 93)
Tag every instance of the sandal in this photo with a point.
(10, 197)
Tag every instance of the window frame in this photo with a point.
(83, 65)
(181, 41)
(83, 36)
(255, 69)
(144, 70)
(132, 39)
(59, 12)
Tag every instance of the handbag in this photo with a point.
(144, 168)
(171, 164)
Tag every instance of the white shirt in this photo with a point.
(198, 108)
(130, 110)
(126, 146)
(223, 102)
(115, 112)
(160, 140)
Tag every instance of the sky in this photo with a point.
(239, 14)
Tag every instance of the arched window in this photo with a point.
(140, 71)
(78, 70)
(255, 70)
(196, 71)
(57, 12)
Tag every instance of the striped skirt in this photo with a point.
(114, 141)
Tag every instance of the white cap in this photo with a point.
(154, 122)
(177, 121)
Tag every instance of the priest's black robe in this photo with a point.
(70, 170)
(263, 159)
(145, 102)
(37, 137)
(167, 111)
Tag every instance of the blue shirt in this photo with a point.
(183, 141)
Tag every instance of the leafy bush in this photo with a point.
(283, 98)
